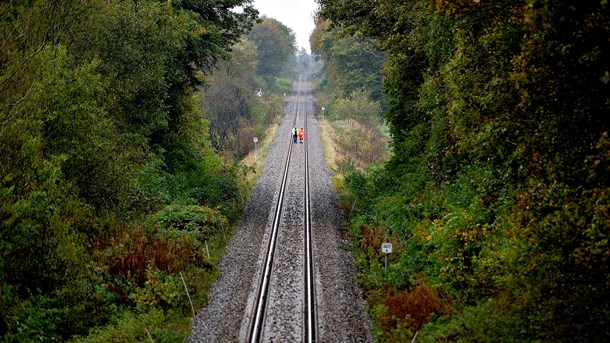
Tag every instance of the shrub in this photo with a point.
(190, 218)
(282, 85)
(160, 326)
(408, 309)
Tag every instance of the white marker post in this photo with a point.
(255, 139)
(386, 248)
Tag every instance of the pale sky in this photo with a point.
(296, 14)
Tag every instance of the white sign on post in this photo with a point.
(255, 139)
(386, 248)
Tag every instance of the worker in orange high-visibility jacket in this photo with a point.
(301, 135)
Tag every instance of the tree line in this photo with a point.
(114, 193)
(349, 94)
(496, 193)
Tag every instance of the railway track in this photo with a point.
(283, 304)
(264, 314)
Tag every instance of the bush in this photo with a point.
(193, 218)
(409, 309)
(160, 326)
(282, 85)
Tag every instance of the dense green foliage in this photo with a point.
(350, 76)
(351, 62)
(497, 193)
(109, 189)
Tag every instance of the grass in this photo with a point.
(255, 160)
(351, 142)
(327, 132)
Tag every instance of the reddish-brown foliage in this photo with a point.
(413, 309)
(132, 252)
(372, 236)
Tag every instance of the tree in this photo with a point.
(101, 128)
(352, 62)
(358, 106)
(275, 43)
(223, 27)
(227, 99)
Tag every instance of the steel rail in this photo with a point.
(310, 307)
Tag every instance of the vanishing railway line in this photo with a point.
(272, 286)
(260, 316)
